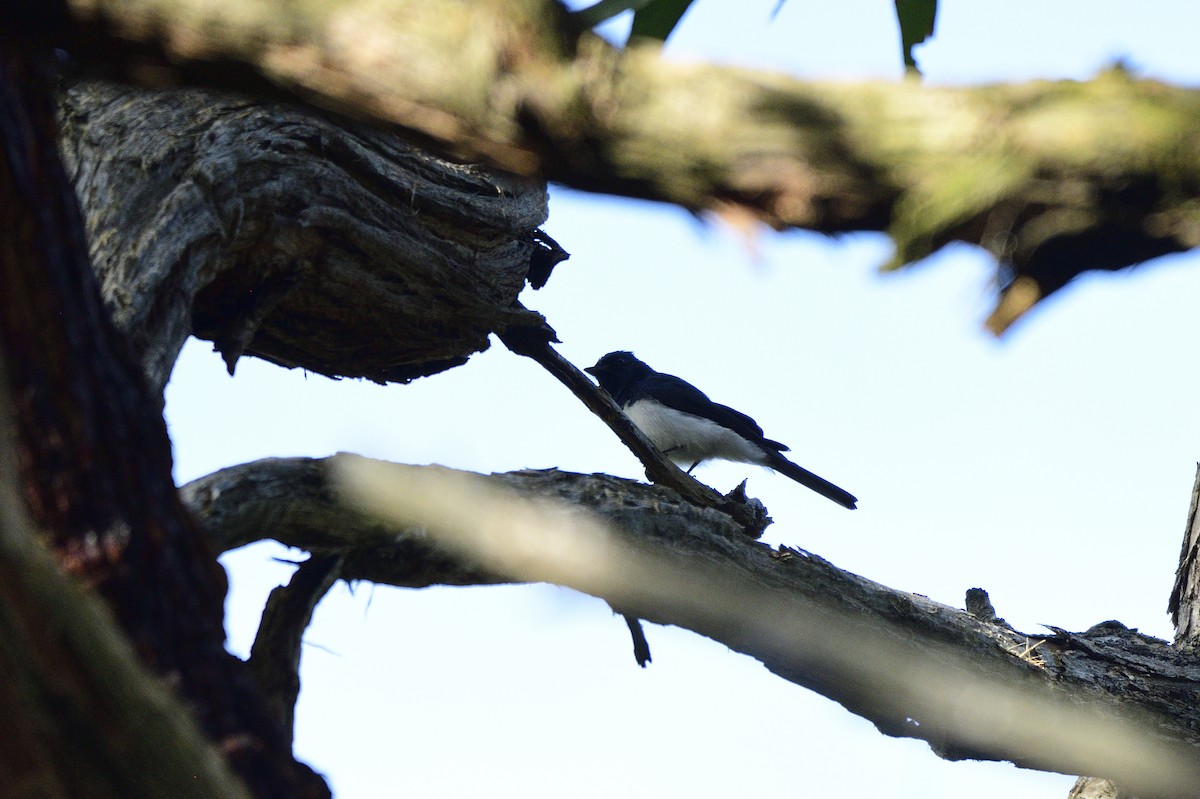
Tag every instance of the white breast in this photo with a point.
(687, 438)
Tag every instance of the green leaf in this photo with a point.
(658, 18)
(916, 18)
(605, 10)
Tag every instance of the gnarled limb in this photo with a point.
(281, 232)
(1106, 670)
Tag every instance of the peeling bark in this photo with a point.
(1095, 788)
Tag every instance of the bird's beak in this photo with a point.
(591, 370)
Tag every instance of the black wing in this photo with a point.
(677, 393)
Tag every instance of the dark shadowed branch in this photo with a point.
(275, 655)
(534, 342)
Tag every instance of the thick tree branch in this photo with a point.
(1105, 668)
(1055, 178)
(289, 234)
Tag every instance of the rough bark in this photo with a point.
(1053, 178)
(1108, 669)
(1096, 788)
(1184, 605)
(292, 235)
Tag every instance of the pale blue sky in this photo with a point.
(1052, 468)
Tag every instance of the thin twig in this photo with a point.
(534, 342)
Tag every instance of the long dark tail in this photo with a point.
(806, 478)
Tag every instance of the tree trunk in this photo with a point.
(1184, 605)
(94, 467)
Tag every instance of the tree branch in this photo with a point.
(1050, 177)
(275, 655)
(290, 234)
(511, 84)
(534, 343)
(1103, 670)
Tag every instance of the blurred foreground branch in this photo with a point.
(1107, 701)
(1053, 178)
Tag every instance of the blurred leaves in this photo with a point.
(652, 19)
(607, 9)
(916, 18)
(656, 20)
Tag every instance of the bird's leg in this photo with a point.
(676, 448)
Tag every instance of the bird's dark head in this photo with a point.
(618, 370)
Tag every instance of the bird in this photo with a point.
(688, 427)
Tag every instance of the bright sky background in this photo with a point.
(1052, 468)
